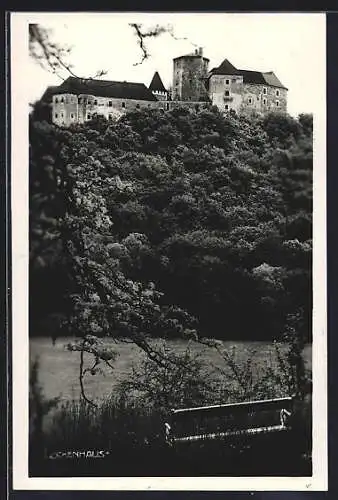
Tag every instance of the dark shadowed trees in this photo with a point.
(173, 222)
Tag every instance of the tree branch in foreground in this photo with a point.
(152, 33)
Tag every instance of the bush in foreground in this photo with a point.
(130, 427)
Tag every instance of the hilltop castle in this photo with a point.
(77, 100)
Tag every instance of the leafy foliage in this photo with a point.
(184, 381)
(164, 224)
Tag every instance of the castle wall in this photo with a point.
(226, 91)
(189, 74)
(161, 96)
(193, 105)
(263, 99)
(65, 109)
(70, 108)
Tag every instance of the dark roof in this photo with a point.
(272, 80)
(252, 77)
(106, 88)
(157, 84)
(225, 68)
(48, 93)
(268, 78)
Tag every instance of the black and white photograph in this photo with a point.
(168, 234)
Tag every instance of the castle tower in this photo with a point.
(190, 73)
(157, 88)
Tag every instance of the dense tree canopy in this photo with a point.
(171, 223)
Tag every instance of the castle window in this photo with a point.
(110, 103)
(227, 82)
(250, 100)
(277, 93)
(56, 100)
(62, 99)
(61, 115)
(265, 90)
(137, 106)
(56, 115)
(277, 104)
(95, 102)
(110, 116)
(167, 106)
(264, 101)
(72, 116)
(80, 100)
(226, 107)
(123, 105)
(227, 93)
(88, 116)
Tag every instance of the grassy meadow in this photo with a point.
(59, 368)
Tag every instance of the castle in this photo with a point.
(77, 100)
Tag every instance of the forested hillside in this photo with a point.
(171, 223)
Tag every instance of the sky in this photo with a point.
(292, 45)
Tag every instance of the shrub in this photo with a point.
(183, 381)
(39, 408)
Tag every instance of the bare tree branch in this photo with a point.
(51, 56)
(170, 30)
(152, 33)
(54, 57)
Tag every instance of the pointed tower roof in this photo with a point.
(156, 83)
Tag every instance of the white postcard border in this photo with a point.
(20, 342)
